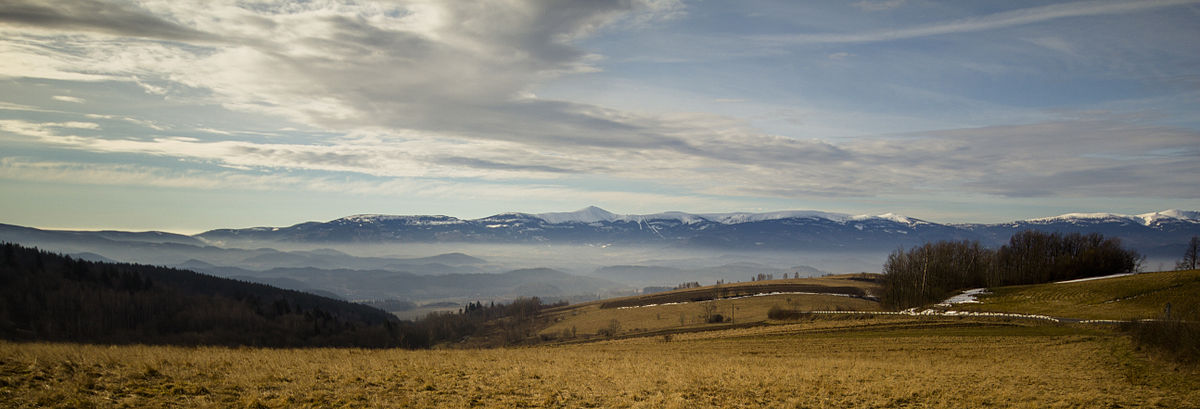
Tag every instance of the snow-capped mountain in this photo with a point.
(1145, 219)
(790, 230)
(785, 230)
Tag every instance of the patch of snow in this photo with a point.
(738, 218)
(590, 214)
(1167, 215)
(1094, 278)
(744, 296)
(1079, 216)
(890, 217)
(413, 220)
(918, 312)
(685, 218)
(593, 214)
(967, 297)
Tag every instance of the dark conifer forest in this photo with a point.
(46, 296)
(52, 297)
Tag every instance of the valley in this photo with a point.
(738, 344)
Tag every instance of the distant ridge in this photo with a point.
(1156, 234)
(593, 214)
(1145, 219)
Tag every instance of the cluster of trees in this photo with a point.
(46, 296)
(489, 325)
(764, 277)
(934, 271)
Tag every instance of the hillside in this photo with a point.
(708, 307)
(45, 296)
(1139, 296)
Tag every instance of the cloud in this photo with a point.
(110, 174)
(878, 5)
(448, 67)
(64, 98)
(94, 16)
(840, 56)
(1070, 158)
(442, 90)
(989, 22)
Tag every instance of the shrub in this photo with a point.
(778, 313)
(1175, 335)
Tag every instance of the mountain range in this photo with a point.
(1156, 233)
(570, 255)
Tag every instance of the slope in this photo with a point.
(1139, 296)
(45, 296)
(708, 307)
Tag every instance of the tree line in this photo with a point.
(935, 271)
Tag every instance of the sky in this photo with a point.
(192, 115)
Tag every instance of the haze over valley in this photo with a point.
(578, 256)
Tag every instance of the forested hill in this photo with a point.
(46, 296)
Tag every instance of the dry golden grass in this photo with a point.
(588, 320)
(888, 362)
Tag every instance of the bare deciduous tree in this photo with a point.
(1190, 254)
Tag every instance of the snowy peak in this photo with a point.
(590, 214)
(1169, 215)
(383, 218)
(1145, 219)
(738, 218)
(593, 214)
(890, 217)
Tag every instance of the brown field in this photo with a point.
(889, 362)
(674, 310)
(861, 285)
(665, 356)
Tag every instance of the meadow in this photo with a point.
(880, 362)
(1139, 296)
(671, 312)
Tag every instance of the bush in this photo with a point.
(1176, 339)
(1175, 334)
(778, 313)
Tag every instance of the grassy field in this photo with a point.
(817, 361)
(1131, 297)
(646, 314)
(891, 362)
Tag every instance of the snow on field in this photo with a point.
(967, 297)
(744, 296)
(947, 313)
(1094, 278)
